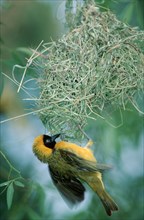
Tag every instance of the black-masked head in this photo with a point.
(49, 141)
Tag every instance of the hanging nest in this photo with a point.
(100, 63)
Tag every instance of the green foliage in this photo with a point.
(14, 177)
(16, 191)
(10, 193)
(18, 183)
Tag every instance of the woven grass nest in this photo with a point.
(100, 63)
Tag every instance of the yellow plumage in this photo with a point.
(70, 163)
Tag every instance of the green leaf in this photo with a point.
(5, 183)
(18, 183)
(10, 193)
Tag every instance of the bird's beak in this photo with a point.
(54, 137)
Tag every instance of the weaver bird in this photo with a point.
(69, 164)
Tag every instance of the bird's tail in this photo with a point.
(108, 202)
(95, 182)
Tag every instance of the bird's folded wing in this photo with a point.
(70, 188)
(82, 164)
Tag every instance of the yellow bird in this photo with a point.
(69, 164)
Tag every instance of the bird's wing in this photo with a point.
(69, 187)
(82, 164)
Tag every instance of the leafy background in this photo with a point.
(26, 189)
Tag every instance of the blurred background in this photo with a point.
(118, 141)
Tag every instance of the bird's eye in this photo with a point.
(47, 141)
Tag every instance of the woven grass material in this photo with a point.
(100, 63)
